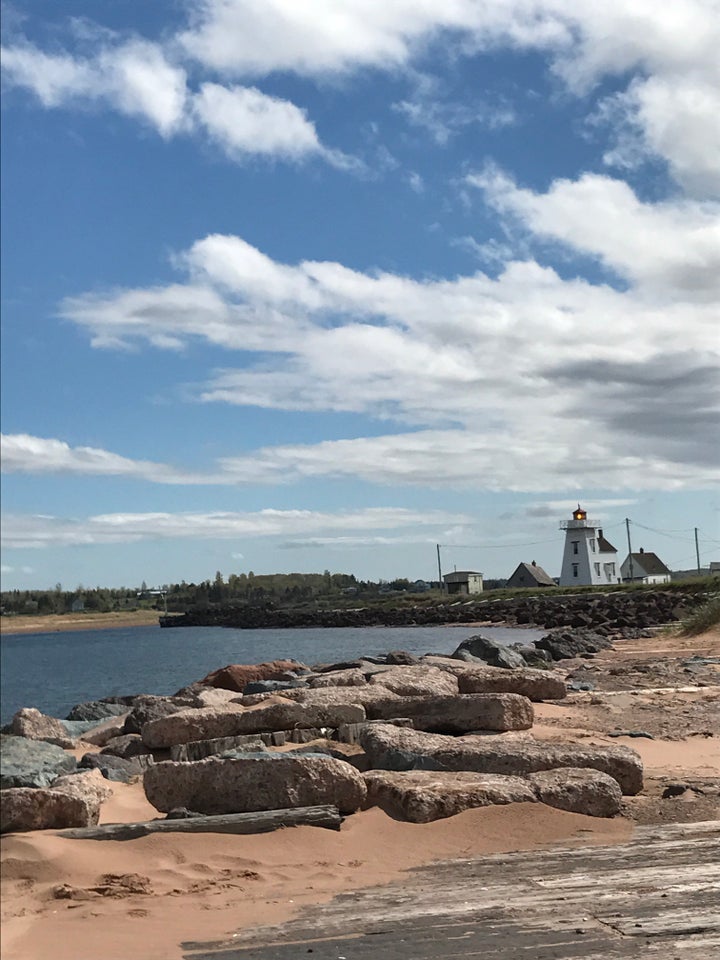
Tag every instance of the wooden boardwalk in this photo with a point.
(656, 897)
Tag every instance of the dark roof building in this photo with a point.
(530, 575)
(646, 568)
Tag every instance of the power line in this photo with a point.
(493, 546)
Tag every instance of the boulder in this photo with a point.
(213, 696)
(458, 714)
(105, 731)
(114, 768)
(401, 658)
(31, 763)
(209, 723)
(423, 795)
(339, 678)
(592, 792)
(149, 708)
(272, 686)
(101, 709)
(416, 681)
(34, 725)
(536, 685)
(126, 746)
(76, 728)
(566, 644)
(253, 782)
(236, 676)
(200, 749)
(25, 808)
(327, 696)
(89, 785)
(485, 650)
(395, 748)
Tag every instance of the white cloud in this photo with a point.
(675, 117)
(668, 52)
(610, 376)
(443, 120)
(28, 531)
(245, 121)
(660, 247)
(136, 79)
(22, 453)
(133, 77)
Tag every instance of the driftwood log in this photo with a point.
(262, 821)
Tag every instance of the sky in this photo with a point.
(304, 286)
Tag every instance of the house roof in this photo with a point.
(459, 576)
(604, 546)
(650, 563)
(537, 573)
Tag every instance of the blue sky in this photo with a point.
(305, 286)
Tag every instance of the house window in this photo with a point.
(575, 569)
(592, 544)
(597, 569)
(576, 545)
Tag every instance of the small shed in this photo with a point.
(463, 581)
(530, 575)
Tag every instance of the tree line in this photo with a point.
(290, 589)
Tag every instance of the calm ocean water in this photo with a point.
(54, 671)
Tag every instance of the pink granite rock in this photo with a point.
(27, 808)
(264, 781)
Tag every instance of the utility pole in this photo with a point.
(697, 551)
(440, 579)
(627, 527)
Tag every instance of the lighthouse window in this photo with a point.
(597, 569)
(576, 545)
(592, 544)
(575, 569)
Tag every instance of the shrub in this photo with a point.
(704, 618)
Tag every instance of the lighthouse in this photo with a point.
(588, 559)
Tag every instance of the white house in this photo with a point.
(588, 558)
(646, 568)
(463, 581)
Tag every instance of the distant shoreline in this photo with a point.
(55, 623)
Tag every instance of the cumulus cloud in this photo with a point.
(672, 102)
(33, 531)
(133, 77)
(667, 51)
(601, 369)
(671, 245)
(136, 79)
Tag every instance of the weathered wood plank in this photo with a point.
(658, 895)
(239, 823)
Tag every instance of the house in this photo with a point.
(463, 581)
(530, 575)
(588, 558)
(646, 567)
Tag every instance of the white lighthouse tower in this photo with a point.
(588, 558)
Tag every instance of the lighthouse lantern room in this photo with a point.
(588, 558)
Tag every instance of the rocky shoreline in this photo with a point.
(617, 613)
(208, 749)
(487, 753)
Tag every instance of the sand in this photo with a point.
(144, 898)
(208, 887)
(53, 623)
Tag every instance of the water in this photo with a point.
(54, 671)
